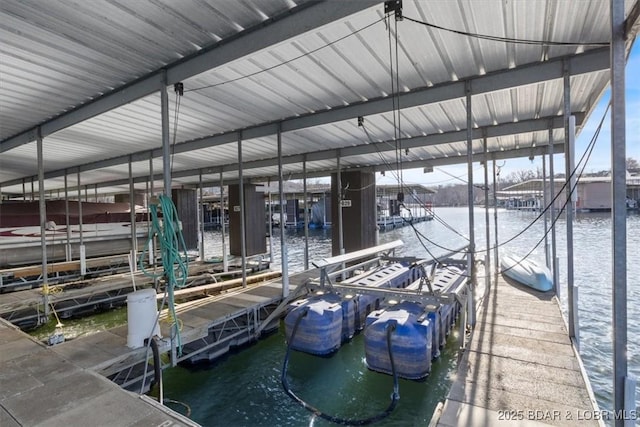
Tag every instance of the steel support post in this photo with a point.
(619, 212)
(270, 221)
(166, 147)
(152, 243)
(495, 218)
(243, 235)
(554, 220)
(306, 213)
(225, 263)
(83, 254)
(339, 190)
(201, 216)
(472, 246)
(570, 189)
(68, 254)
(132, 217)
(42, 203)
(283, 244)
(487, 261)
(545, 201)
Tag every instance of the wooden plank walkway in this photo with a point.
(38, 387)
(520, 368)
(67, 385)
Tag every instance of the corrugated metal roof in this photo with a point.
(62, 56)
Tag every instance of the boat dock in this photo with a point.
(40, 387)
(520, 367)
(24, 308)
(74, 374)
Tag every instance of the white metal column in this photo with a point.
(306, 213)
(570, 190)
(283, 244)
(43, 226)
(166, 148)
(554, 219)
(472, 244)
(624, 386)
(243, 235)
(225, 262)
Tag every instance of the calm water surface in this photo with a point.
(244, 388)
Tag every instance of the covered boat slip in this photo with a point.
(520, 368)
(129, 99)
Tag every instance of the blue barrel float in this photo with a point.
(418, 333)
(331, 319)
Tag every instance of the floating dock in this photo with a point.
(41, 387)
(520, 367)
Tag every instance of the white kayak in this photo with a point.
(527, 272)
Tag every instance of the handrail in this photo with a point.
(356, 255)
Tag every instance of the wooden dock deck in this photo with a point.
(39, 387)
(81, 382)
(520, 368)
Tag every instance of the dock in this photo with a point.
(68, 379)
(210, 327)
(520, 367)
(40, 387)
(24, 308)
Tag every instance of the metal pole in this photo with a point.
(569, 172)
(68, 254)
(243, 242)
(487, 264)
(619, 213)
(552, 214)
(83, 254)
(270, 221)
(495, 218)
(225, 263)
(132, 216)
(201, 218)
(340, 225)
(546, 211)
(306, 213)
(43, 228)
(152, 248)
(283, 245)
(166, 148)
(472, 245)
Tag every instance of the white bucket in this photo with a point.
(142, 315)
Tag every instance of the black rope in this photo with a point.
(506, 39)
(395, 396)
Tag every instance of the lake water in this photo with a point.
(243, 389)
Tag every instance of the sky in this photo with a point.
(599, 160)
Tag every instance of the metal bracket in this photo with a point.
(394, 6)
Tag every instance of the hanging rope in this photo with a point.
(174, 255)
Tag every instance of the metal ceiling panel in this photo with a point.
(70, 53)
